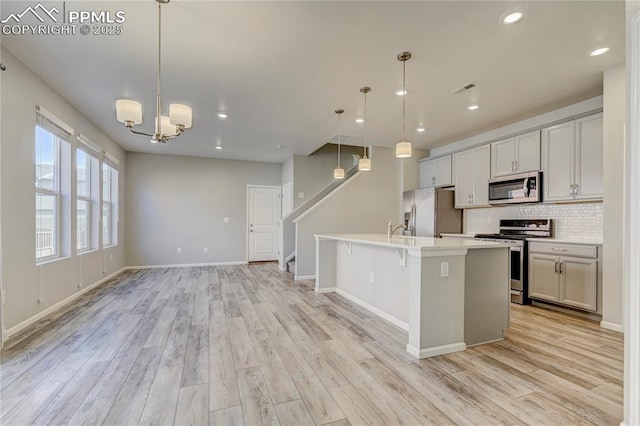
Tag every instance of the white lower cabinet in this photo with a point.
(565, 274)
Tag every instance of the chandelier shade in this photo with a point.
(180, 115)
(128, 110)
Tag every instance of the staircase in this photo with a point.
(288, 229)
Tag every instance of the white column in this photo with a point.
(632, 211)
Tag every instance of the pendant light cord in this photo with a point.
(339, 139)
(158, 99)
(364, 154)
(404, 96)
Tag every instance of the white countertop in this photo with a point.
(422, 243)
(582, 241)
(459, 235)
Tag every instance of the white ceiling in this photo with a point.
(279, 69)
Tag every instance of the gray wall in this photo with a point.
(23, 280)
(312, 173)
(613, 157)
(287, 170)
(181, 202)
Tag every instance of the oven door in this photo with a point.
(517, 269)
(522, 188)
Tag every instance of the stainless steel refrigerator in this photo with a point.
(429, 212)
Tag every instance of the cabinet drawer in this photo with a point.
(564, 249)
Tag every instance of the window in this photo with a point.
(109, 202)
(51, 140)
(86, 195)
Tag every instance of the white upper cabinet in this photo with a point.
(471, 172)
(435, 172)
(572, 160)
(588, 168)
(516, 155)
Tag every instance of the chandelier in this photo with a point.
(168, 127)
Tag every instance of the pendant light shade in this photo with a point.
(364, 164)
(403, 148)
(338, 172)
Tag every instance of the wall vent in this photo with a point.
(464, 88)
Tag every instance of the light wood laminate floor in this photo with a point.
(248, 345)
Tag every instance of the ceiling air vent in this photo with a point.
(344, 138)
(464, 88)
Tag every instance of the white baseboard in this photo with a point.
(26, 323)
(188, 265)
(436, 350)
(393, 320)
(326, 290)
(304, 277)
(612, 326)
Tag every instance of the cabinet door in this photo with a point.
(463, 177)
(443, 171)
(578, 282)
(503, 155)
(558, 146)
(528, 152)
(543, 279)
(481, 173)
(588, 175)
(427, 174)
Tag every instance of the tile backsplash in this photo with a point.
(570, 221)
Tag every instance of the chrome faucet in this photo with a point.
(391, 229)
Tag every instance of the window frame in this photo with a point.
(110, 169)
(57, 193)
(92, 198)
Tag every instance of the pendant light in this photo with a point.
(403, 148)
(338, 173)
(364, 164)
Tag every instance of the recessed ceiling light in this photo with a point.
(599, 51)
(473, 107)
(359, 120)
(401, 92)
(279, 146)
(222, 115)
(420, 129)
(513, 18)
(218, 147)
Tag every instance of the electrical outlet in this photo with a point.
(300, 194)
(206, 249)
(371, 277)
(179, 250)
(41, 301)
(79, 285)
(444, 269)
(225, 220)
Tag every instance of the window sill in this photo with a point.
(51, 260)
(110, 246)
(83, 252)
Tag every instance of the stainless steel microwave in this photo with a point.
(520, 188)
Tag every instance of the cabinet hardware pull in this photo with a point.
(556, 267)
(516, 163)
(561, 263)
(558, 249)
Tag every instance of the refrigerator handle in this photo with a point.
(413, 219)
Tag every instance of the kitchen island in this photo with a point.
(447, 293)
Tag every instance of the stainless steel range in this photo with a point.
(517, 231)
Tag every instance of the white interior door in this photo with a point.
(264, 219)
